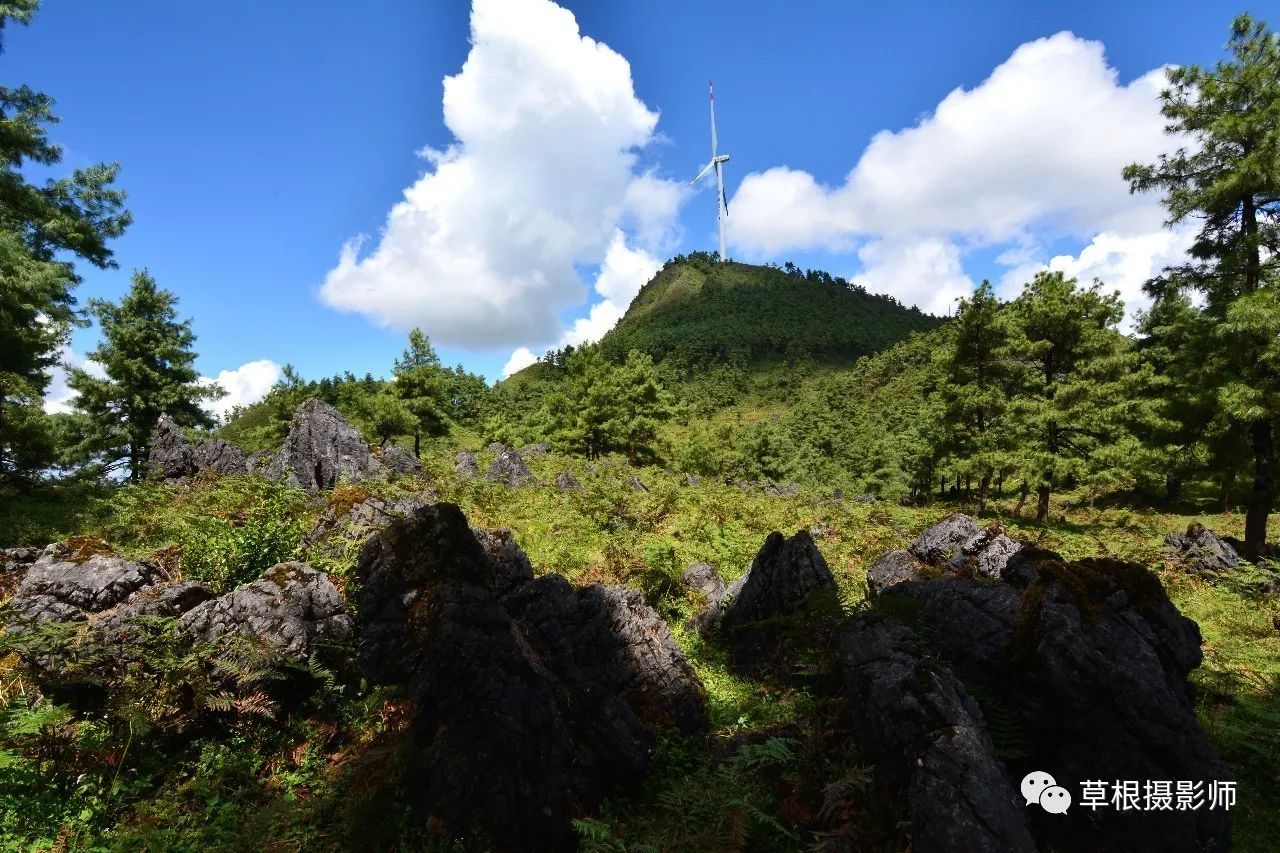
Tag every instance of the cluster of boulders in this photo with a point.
(288, 616)
(985, 659)
(535, 700)
(320, 451)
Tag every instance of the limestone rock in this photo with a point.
(566, 482)
(509, 468)
(1201, 550)
(321, 450)
(928, 741)
(295, 610)
(171, 456)
(464, 465)
(216, 455)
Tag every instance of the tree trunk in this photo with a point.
(1042, 503)
(1172, 488)
(1022, 499)
(983, 485)
(417, 444)
(1260, 500)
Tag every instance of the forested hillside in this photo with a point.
(696, 311)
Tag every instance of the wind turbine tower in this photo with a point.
(717, 163)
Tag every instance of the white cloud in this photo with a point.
(482, 250)
(1033, 153)
(1041, 141)
(1121, 262)
(247, 384)
(624, 271)
(924, 272)
(520, 359)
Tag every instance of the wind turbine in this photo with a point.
(717, 161)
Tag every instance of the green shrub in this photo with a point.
(225, 555)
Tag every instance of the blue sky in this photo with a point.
(259, 139)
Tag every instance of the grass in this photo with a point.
(309, 783)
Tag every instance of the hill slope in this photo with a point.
(695, 310)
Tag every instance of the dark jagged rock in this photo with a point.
(498, 447)
(890, 568)
(782, 580)
(566, 482)
(1201, 550)
(783, 490)
(942, 541)
(927, 739)
(985, 554)
(703, 578)
(397, 460)
(1074, 655)
(509, 566)
(692, 480)
(295, 610)
(14, 563)
(340, 531)
(955, 545)
(560, 687)
(540, 448)
(171, 456)
(118, 627)
(509, 468)
(216, 455)
(464, 465)
(321, 450)
(634, 483)
(59, 590)
(260, 462)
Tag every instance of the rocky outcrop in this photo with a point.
(321, 450)
(341, 530)
(216, 455)
(944, 540)
(562, 688)
(955, 545)
(890, 568)
(1070, 655)
(539, 448)
(509, 468)
(464, 465)
(61, 590)
(783, 581)
(914, 721)
(397, 461)
(1201, 550)
(292, 610)
(566, 482)
(14, 563)
(171, 456)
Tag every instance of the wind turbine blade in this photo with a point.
(724, 201)
(703, 172)
(712, 93)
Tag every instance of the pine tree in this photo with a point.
(643, 405)
(42, 228)
(1078, 407)
(149, 364)
(1230, 178)
(421, 385)
(981, 374)
(583, 417)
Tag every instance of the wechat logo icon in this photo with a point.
(1040, 787)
